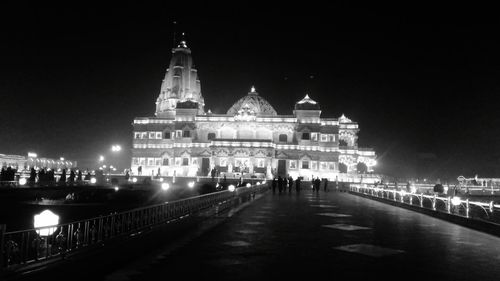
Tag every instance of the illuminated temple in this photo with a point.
(251, 139)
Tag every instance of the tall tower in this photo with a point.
(181, 83)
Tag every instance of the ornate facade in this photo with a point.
(251, 139)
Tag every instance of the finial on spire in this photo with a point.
(252, 90)
(182, 42)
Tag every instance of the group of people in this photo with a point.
(45, 176)
(282, 183)
(7, 174)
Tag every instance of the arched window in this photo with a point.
(362, 168)
(211, 136)
(342, 143)
(283, 138)
(342, 168)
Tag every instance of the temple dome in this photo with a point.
(253, 103)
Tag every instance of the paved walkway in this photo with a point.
(327, 235)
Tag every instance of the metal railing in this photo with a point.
(26, 248)
(479, 210)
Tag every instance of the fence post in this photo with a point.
(448, 205)
(467, 207)
(2, 243)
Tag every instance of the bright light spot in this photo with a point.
(62, 158)
(258, 183)
(104, 166)
(403, 193)
(93, 180)
(116, 148)
(134, 179)
(231, 188)
(248, 185)
(456, 201)
(46, 218)
(111, 166)
(165, 186)
(374, 162)
(22, 181)
(191, 184)
(413, 189)
(101, 158)
(161, 179)
(32, 154)
(217, 185)
(117, 188)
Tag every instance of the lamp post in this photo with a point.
(115, 149)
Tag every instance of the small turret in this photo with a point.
(307, 110)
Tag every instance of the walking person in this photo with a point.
(273, 184)
(280, 184)
(326, 185)
(290, 183)
(297, 185)
(317, 183)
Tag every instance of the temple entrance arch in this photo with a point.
(205, 166)
(282, 167)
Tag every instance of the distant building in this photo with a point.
(251, 139)
(32, 160)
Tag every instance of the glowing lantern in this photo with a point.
(93, 180)
(456, 201)
(22, 181)
(231, 188)
(165, 186)
(191, 184)
(46, 218)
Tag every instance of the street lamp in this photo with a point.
(116, 148)
(101, 158)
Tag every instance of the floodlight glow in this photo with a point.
(165, 186)
(101, 158)
(413, 189)
(93, 180)
(62, 158)
(46, 218)
(403, 193)
(258, 183)
(117, 188)
(32, 154)
(456, 201)
(217, 185)
(231, 188)
(134, 179)
(248, 185)
(116, 148)
(161, 179)
(22, 181)
(191, 184)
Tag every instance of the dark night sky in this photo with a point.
(423, 91)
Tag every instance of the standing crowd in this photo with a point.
(282, 183)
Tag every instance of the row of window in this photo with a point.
(154, 161)
(211, 136)
(165, 135)
(316, 136)
(313, 165)
(242, 162)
